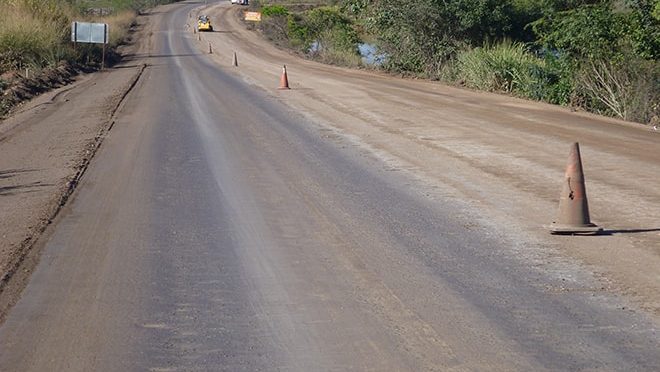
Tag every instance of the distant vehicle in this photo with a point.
(204, 23)
(240, 2)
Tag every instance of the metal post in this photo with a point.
(105, 41)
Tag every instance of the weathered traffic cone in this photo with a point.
(284, 80)
(210, 48)
(573, 205)
(234, 60)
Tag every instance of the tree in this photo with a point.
(421, 35)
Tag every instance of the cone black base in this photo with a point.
(559, 229)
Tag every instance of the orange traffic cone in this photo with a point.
(284, 80)
(234, 60)
(573, 206)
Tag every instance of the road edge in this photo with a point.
(17, 276)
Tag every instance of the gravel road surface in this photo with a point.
(225, 225)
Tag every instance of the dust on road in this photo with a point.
(505, 156)
(400, 227)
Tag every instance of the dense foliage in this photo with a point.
(611, 51)
(601, 55)
(324, 33)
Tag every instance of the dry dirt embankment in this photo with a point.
(46, 146)
(505, 156)
(22, 88)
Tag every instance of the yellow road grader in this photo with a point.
(204, 24)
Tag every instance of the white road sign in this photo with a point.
(96, 33)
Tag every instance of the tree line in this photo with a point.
(598, 55)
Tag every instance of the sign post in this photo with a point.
(92, 33)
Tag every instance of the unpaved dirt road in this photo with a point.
(505, 157)
(355, 222)
(45, 148)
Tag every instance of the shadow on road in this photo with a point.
(131, 57)
(9, 173)
(608, 232)
(19, 189)
(22, 189)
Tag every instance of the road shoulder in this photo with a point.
(46, 147)
(504, 156)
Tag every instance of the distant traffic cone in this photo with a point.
(210, 48)
(284, 80)
(573, 205)
(234, 60)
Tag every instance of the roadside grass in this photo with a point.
(629, 91)
(504, 67)
(32, 34)
(338, 57)
(35, 45)
(36, 33)
(510, 67)
(119, 24)
(330, 32)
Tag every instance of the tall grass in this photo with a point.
(36, 33)
(119, 24)
(33, 33)
(505, 67)
(337, 48)
(511, 68)
(630, 90)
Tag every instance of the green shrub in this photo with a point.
(511, 68)
(337, 46)
(322, 33)
(555, 82)
(274, 10)
(298, 32)
(505, 67)
(333, 35)
(422, 36)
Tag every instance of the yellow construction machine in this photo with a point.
(204, 24)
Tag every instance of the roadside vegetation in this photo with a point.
(320, 32)
(35, 46)
(596, 55)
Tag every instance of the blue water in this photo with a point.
(371, 55)
(369, 52)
